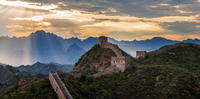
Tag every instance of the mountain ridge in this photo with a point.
(9, 76)
(48, 47)
(41, 68)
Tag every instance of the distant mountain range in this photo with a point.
(41, 68)
(2, 64)
(42, 47)
(47, 47)
(9, 76)
(148, 45)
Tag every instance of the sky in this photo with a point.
(119, 19)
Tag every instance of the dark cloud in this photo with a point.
(63, 23)
(183, 27)
(141, 8)
(104, 19)
(178, 2)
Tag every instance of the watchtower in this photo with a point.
(103, 40)
(120, 62)
(141, 54)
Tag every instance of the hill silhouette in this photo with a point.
(41, 68)
(9, 76)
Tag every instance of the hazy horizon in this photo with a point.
(46, 48)
(99, 36)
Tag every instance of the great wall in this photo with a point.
(118, 64)
(58, 86)
(169, 47)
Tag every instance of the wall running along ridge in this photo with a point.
(59, 86)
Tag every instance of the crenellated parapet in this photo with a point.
(103, 42)
(120, 61)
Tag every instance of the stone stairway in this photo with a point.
(58, 86)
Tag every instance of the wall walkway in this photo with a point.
(59, 86)
(115, 49)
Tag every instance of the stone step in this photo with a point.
(59, 87)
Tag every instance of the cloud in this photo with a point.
(94, 24)
(126, 26)
(183, 27)
(139, 18)
(34, 18)
(28, 5)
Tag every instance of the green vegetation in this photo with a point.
(180, 55)
(39, 89)
(158, 82)
(174, 74)
(153, 82)
(10, 76)
(183, 57)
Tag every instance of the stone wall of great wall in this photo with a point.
(103, 42)
(169, 47)
(114, 48)
(118, 63)
(59, 86)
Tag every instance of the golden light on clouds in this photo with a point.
(169, 36)
(44, 24)
(176, 19)
(34, 18)
(125, 26)
(184, 12)
(90, 23)
(27, 5)
(194, 36)
(197, 26)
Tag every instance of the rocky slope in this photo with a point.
(95, 60)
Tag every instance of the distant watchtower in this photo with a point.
(103, 40)
(141, 54)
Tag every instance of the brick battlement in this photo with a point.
(114, 48)
(103, 42)
(120, 61)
